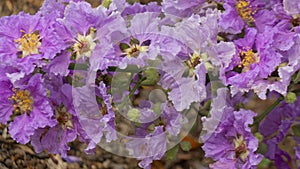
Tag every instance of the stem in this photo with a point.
(296, 90)
(260, 117)
(127, 99)
(137, 85)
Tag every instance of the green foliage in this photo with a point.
(172, 153)
(291, 97)
(152, 77)
(296, 130)
(134, 114)
(185, 146)
(106, 3)
(124, 46)
(264, 163)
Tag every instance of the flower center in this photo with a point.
(29, 44)
(84, 45)
(63, 117)
(23, 101)
(194, 60)
(135, 50)
(245, 10)
(241, 149)
(295, 21)
(248, 57)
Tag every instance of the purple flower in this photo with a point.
(257, 58)
(141, 42)
(182, 8)
(26, 99)
(139, 8)
(169, 75)
(59, 65)
(148, 147)
(247, 60)
(28, 40)
(88, 32)
(57, 7)
(189, 90)
(279, 121)
(239, 14)
(230, 20)
(55, 139)
(297, 150)
(202, 54)
(228, 138)
(199, 35)
(173, 119)
(6, 92)
(95, 118)
(78, 27)
(255, 68)
(291, 7)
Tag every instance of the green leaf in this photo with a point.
(296, 130)
(172, 153)
(106, 3)
(291, 97)
(157, 108)
(124, 46)
(296, 77)
(134, 41)
(259, 136)
(262, 148)
(134, 114)
(185, 146)
(152, 77)
(131, 2)
(264, 163)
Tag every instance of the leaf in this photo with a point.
(291, 97)
(134, 41)
(106, 3)
(152, 77)
(172, 153)
(185, 146)
(264, 163)
(124, 46)
(134, 114)
(296, 130)
(296, 77)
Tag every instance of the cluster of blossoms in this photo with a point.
(71, 72)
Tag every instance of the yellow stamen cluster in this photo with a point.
(248, 57)
(245, 10)
(85, 44)
(135, 50)
(194, 60)
(23, 101)
(241, 149)
(29, 44)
